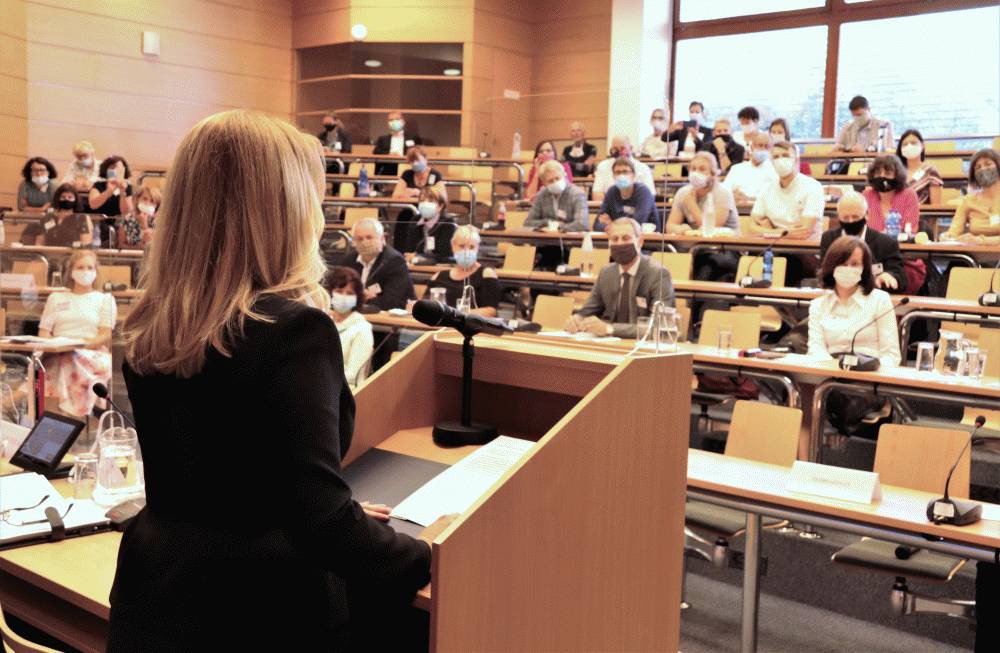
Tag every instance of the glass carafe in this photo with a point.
(120, 474)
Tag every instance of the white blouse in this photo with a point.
(833, 323)
(356, 342)
(70, 315)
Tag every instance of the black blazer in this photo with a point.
(734, 151)
(885, 250)
(681, 135)
(337, 135)
(250, 535)
(382, 144)
(391, 274)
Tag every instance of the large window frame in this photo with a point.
(834, 14)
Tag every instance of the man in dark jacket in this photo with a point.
(887, 262)
(396, 142)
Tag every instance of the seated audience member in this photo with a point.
(604, 177)
(887, 263)
(396, 142)
(468, 272)
(557, 201)
(625, 291)
(691, 134)
(36, 192)
(84, 170)
(887, 191)
(137, 228)
(749, 119)
(654, 147)
(544, 151)
(580, 155)
(411, 183)
(795, 203)
(627, 199)
(384, 274)
(723, 146)
(977, 219)
(356, 340)
(85, 313)
(703, 194)
(749, 178)
(437, 227)
(778, 129)
(334, 138)
(111, 195)
(64, 227)
(923, 178)
(864, 133)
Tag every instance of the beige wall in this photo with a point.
(13, 98)
(88, 79)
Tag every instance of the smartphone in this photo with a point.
(112, 173)
(688, 124)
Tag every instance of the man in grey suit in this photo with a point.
(626, 290)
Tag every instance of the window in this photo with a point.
(948, 84)
(692, 10)
(793, 90)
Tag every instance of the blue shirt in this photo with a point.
(641, 207)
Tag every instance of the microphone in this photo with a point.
(862, 362)
(432, 313)
(954, 511)
(991, 298)
(748, 281)
(101, 391)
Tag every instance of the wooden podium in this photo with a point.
(579, 546)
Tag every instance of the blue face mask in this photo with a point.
(623, 182)
(419, 165)
(466, 258)
(343, 303)
(760, 156)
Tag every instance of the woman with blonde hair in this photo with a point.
(84, 313)
(235, 373)
(85, 168)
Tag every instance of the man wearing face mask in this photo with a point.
(724, 147)
(333, 137)
(558, 201)
(691, 134)
(604, 177)
(794, 203)
(396, 143)
(62, 227)
(749, 119)
(746, 180)
(654, 146)
(887, 262)
(864, 133)
(625, 291)
(627, 199)
(384, 275)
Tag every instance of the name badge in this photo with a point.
(877, 269)
(561, 214)
(430, 244)
(431, 180)
(640, 302)
(629, 210)
(918, 175)
(408, 142)
(337, 146)
(50, 224)
(375, 288)
(995, 220)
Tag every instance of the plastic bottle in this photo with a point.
(768, 265)
(515, 152)
(708, 218)
(587, 267)
(892, 220)
(502, 215)
(363, 189)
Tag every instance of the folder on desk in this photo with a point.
(23, 518)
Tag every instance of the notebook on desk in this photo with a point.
(24, 498)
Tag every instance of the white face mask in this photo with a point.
(783, 166)
(84, 277)
(86, 163)
(696, 116)
(912, 150)
(698, 179)
(40, 180)
(658, 124)
(847, 276)
(148, 209)
(557, 186)
(749, 127)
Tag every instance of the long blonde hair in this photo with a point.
(242, 218)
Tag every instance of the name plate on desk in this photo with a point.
(834, 482)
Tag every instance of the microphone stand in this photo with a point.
(456, 434)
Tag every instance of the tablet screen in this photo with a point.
(48, 441)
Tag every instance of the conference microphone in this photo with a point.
(748, 281)
(954, 511)
(862, 362)
(436, 314)
(991, 298)
(101, 391)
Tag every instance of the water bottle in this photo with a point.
(363, 183)
(515, 151)
(708, 217)
(502, 215)
(587, 269)
(880, 146)
(768, 265)
(892, 224)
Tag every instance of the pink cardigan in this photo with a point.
(905, 201)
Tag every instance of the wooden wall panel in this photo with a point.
(13, 98)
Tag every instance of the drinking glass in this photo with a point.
(669, 325)
(83, 476)
(725, 339)
(972, 364)
(439, 295)
(925, 357)
(642, 327)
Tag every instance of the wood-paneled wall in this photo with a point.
(13, 98)
(88, 79)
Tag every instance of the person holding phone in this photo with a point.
(690, 134)
(111, 195)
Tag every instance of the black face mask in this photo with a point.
(66, 205)
(328, 128)
(613, 153)
(854, 228)
(883, 185)
(623, 254)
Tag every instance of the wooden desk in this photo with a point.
(49, 250)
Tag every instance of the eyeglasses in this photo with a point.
(5, 515)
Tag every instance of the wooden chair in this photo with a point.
(364, 149)
(598, 258)
(116, 274)
(989, 341)
(857, 168)
(14, 643)
(355, 214)
(745, 327)
(970, 283)
(37, 268)
(816, 148)
(678, 264)
(345, 190)
(950, 166)
(940, 146)
(515, 219)
(916, 458)
(552, 311)
(519, 258)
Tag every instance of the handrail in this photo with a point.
(491, 163)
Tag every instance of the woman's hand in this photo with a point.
(377, 511)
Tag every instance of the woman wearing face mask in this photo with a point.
(138, 227)
(654, 147)
(977, 219)
(85, 313)
(36, 192)
(778, 129)
(627, 199)
(64, 227)
(84, 170)
(411, 182)
(544, 151)
(356, 340)
(112, 195)
(437, 226)
(923, 178)
(887, 191)
(468, 271)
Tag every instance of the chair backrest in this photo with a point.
(970, 283)
(515, 219)
(519, 258)
(16, 644)
(764, 432)
(754, 267)
(951, 196)
(354, 214)
(552, 311)
(950, 166)
(989, 342)
(599, 258)
(678, 264)
(940, 146)
(37, 268)
(918, 458)
(116, 274)
(970, 414)
(362, 149)
(857, 167)
(745, 328)
(345, 190)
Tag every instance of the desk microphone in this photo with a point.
(862, 362)
(101, 391)
(748, 281)
(954, 511)
(436, 314)
(991, 298)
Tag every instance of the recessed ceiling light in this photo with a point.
(373, 63)
(452, 72)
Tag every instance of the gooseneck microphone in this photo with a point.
(991, 298)
(748, 281)
(954, 511)
(863, 362)
(436, 314)
(101, 391)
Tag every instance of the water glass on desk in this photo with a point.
(725, 339)
(642, 325)
(925, 357)
(439, 295)
(83, 476)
